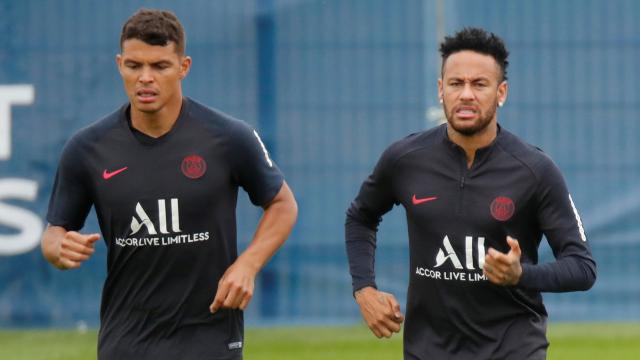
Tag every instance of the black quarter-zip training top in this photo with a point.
(167, 213)
(454, 215)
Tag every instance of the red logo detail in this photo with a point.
(108, 175)
(417, 201)
(502, 208)
(193, 166)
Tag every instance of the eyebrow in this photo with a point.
(159, 62)
(480, 78)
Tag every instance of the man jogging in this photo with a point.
(478, 201)
(163, 173)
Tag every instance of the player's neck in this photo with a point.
(470, 144)
(158, 123)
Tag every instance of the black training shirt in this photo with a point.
(166, 208)
(454, 215)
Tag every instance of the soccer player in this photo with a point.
(163, 173)
(477, 201)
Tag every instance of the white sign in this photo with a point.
(27, 223)
(11, 95)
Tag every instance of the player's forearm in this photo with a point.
(50, 244)
(361, 249)
(571, 273)
(273, 229)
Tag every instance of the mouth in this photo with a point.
(466, 112)
(146, 95)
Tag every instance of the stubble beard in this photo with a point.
(480, 125)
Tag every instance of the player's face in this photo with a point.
(152, 74)
(471, 88)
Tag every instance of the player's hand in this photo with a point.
(235, 288)
(380, 311)
(504, 269)
(74, 249)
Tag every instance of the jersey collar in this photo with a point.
(147, 140)
(482, 154)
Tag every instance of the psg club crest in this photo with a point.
(502, 208)
(193, 166)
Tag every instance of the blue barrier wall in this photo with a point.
(329, 84)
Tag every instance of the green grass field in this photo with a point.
(568, 341)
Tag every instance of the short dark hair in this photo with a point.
(154, 27)
(478, 40)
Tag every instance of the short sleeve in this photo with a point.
(252, 167)
(70, 200)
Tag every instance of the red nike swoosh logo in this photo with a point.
(108, 175)
(417, 201)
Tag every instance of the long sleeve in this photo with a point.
(363, 217)
(574, 267)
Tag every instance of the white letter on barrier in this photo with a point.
(12, 216)
(11, 95)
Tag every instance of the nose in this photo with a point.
(467, 92)
(145, 76)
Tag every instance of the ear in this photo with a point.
(503, 90)
(185, 66)
(440, 91)
(119, 63)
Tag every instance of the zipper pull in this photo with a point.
(462, 182)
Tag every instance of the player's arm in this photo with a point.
(380, 310)
(574, 267)
(67, 249)
(69, 206)
(235, 288)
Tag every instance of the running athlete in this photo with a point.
(163, 173)
(478, 201)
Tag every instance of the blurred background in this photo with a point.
(329, 84)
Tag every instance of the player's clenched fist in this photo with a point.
(504, 269)
(76, 248)
(235, 288)
(67, 249)
(380, 311)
